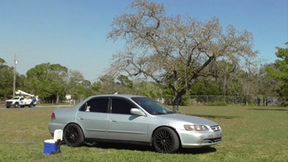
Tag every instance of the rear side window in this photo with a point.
(121, 106)
(97, 105)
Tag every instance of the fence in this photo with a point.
(237, 100)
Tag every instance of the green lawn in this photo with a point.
(250, 134)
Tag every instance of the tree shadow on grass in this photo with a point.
(270, 109)
(214, 116)
(204, 150)
(122, 146)
(134, 147)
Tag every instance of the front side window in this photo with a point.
(121, 106)
(96, 105)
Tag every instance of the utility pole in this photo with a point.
(14, 79)
(225, 87)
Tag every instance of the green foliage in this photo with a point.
(279, 71)
(124, 80)
(2, 61)
(107, 84)
(123, 85)
(149, 89)
(205, 86)
(265, 80)
(6, 80)
(48, 81)
(77, 86)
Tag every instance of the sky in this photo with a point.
(73, 33)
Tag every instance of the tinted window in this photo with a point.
(151, 106)
(121, 106)
(97, 105)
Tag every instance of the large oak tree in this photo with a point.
(175, 51)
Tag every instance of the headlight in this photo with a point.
(195, 128)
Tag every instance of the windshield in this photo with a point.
(152, 107)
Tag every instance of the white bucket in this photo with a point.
(58, 135)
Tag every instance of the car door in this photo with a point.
(93, 117)
(123, 125)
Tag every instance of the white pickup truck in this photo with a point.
(20, 101)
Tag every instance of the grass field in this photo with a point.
(250, 134)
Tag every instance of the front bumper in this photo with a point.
(191, 139)
(9, 104)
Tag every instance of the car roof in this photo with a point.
(118, 95)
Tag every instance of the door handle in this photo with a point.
(114, 121)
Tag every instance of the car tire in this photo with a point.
(73, 135)
(165, 140)
(16, 105)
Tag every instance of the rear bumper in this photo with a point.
(53, 126)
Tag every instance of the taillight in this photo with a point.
(53, 117)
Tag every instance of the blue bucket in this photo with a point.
(51, 147)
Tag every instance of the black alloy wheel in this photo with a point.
(165, 140)
(73, 135)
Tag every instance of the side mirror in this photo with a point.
(136, 111)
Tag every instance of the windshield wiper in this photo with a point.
(158, 113)
(162, 113)
(171, 112)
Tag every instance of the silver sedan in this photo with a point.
(133, 119)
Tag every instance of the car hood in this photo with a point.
(190, 119)
(10, 100)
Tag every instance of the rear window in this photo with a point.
(95, 105)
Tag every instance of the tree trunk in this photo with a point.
(175, 105)
(178, 99)
(57, 98)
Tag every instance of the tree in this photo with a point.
(109, 84)
(149, 89)
(280, 72)
(48, 81)
(124, 80)
(6, 79)
(265, 80)
(2, 61)
(173, 51)
(77, 86)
